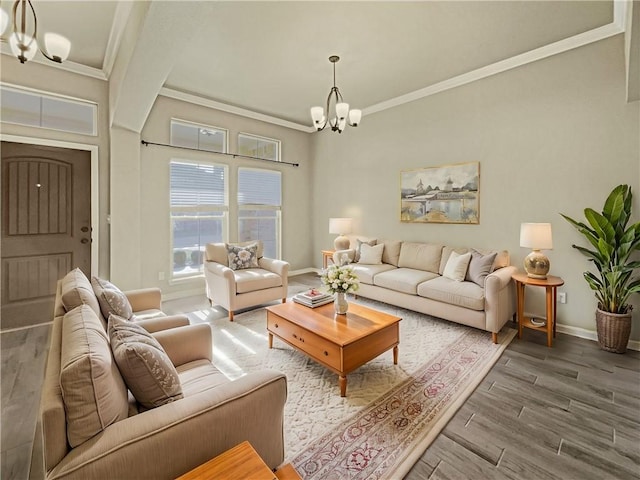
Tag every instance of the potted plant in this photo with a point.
(613, 243)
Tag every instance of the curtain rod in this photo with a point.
(234, 155)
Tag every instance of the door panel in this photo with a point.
(46, 227)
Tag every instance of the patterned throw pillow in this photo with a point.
(111, 299)
(143, 363)
(242, 257)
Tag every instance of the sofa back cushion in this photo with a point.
(93, 391)
(217, 252)
(420, 256)
(391, 252)
(76, 290)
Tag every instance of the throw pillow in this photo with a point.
(371, 255)
(143, 363)
(456, 267)
(480, 266)
(111, 299)
(359, 244)
(242, 257)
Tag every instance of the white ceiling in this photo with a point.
(272, 57)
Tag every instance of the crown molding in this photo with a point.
(66, 65)
(243, 112)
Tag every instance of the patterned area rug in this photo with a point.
(391, 412)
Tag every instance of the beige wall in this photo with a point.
(553, 136)
(54, 80)
(154, 210)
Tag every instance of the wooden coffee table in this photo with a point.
(341, 343)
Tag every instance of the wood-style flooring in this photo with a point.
(569, 412)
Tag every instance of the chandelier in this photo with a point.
(23, 38)
(341, 113)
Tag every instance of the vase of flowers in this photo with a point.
(340, 280)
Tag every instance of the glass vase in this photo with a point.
(340, 303)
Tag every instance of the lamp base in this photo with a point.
(537, 265)
(341, 243)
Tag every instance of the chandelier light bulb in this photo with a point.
(317, 115)
(354, 117)
(342, 110)
(4, 21)
(23, 46)
(57, 46)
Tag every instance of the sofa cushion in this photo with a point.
(111, 299)
(217, 252)
(76, 290)
(241, 258)
(391, 252)
(358, 247)
(198, 376)
(250, 280)
(93, 391)
(420, 256)
(463, 294)
(145, 366)
(480, 266)
(456, 267)
(404, 280)
(366, 273)
(371, 255)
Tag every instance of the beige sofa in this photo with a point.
(247, 287)
(127, 441)
(410, 275)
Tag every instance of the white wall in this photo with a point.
(155, 253)
(553, 136)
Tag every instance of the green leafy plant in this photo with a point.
(613, 243)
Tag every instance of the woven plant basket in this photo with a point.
(613, 330)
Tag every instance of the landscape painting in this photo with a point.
(446, 194)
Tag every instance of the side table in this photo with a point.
(551, 285)
(326, 256)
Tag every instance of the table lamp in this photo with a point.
(341, 226)
(536, 236)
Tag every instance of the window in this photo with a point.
(259, 202)
(198, 137)
(47, 111)
(199, 213)
(260, 147)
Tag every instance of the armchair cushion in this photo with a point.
(250, 280)
(111, 299)
(146, 368)
(241, 258)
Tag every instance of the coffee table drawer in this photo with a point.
(313, 345)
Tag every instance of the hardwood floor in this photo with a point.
(569, 412)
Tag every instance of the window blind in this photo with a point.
(259, 187)
(194, 184)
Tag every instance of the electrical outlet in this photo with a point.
(562, 297)
(160, 275)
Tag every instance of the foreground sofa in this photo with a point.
(410, 275)
(93, 427)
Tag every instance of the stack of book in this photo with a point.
(312, 298)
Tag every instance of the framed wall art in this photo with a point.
(445, 194)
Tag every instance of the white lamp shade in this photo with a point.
(354, 117)
(4, 21)
(342, 110)
(57, 45)
(342, 124)
(317, 114)
(340, 226)
(536, 236)
(28, 41)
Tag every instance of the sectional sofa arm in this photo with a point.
(170, 440)
(158, 324)
(350, 253)
(145, 299)
(186, 344)
(279, 267)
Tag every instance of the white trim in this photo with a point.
(18, 329)
(620, 12)
(301, 271)
(67, 65)
(183, 294)
(95, 184)
(590, 335)
(120, 18)
(206, 102)
(561, 46)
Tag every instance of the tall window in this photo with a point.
(198, 137)
(260, 147)
(259, 208)
(199, 213)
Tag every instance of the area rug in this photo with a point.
(391, 412)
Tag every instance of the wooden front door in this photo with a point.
(46, 227)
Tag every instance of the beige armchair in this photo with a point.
(246, 287)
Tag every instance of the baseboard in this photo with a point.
(17, 329)
(303, 271)
(590, 335)
(183, 293)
